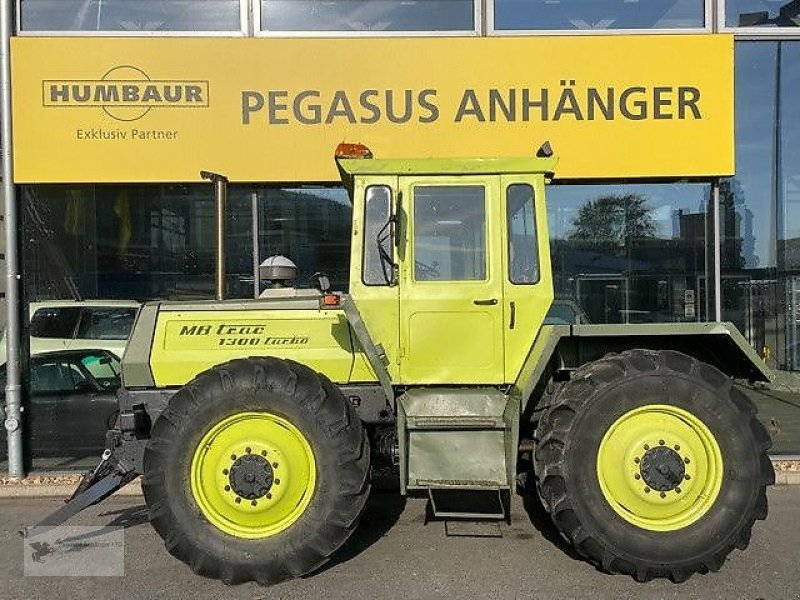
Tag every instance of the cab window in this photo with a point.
(523, 255)
(450, 233)
(376, 269)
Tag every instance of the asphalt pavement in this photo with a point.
(396, 554)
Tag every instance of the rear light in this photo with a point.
(345, 150)
(330, 300)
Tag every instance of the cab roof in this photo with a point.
(446, 166)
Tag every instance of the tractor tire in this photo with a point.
(652, 464)
(257, 470)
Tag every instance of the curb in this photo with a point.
(54, 485)
(61, 485)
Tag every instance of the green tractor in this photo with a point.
(258, 425)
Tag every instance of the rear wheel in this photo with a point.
(652, 464)
(256, 470)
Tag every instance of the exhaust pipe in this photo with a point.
(220, 200)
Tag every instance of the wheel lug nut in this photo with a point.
(660, 442)
(248, 450)
(637, 476)
(233, 457)
(677, 490)
(238, 500)
(277, 482)
(663, 495)
(647, 490)
(686, 460)
(269, 496)
(637, 460)
(263, 453)
(224, 471)
(687, 477)
(274, 465)
(677, 447)
(254, 503)
(227, 488)
(647, 446)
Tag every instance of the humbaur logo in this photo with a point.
(125, 93)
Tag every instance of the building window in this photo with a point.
(375, 16)
(594, 15)
(131, 16)
(630, 253)
(762, 13)
(760, 214)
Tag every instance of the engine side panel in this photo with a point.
(187, 342)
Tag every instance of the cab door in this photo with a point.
(451, 305)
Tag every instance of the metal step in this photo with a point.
(468, 503)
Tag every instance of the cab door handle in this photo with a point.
(489, 302)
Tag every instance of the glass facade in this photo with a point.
(761, 204)
(590, 15)
(367, 15)
(130, 15)
(622, 252)
(145, 242)
(630, 253)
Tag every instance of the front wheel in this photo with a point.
(652, 464)
(256, 470)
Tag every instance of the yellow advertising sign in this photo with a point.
(273, 110)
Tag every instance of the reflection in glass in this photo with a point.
(367, 15)
(597, 15)
(134, 242)
(629, 253)
(762, 13)
(761, 204)
(309, 225)
(130, 15)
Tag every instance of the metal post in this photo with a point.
(13, 422)
(717, 224)
(256, 248)
(220, 200)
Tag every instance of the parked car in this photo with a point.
(72, 400)
(71, 325)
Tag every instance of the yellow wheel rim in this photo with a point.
(253, 475)
(659, 467)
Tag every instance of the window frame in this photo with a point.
(535, 230)
(477, 22)
(243, 31)
(708, 26)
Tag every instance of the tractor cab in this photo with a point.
(446, 263)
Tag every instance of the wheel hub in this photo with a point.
(251, 476)
(662, 469)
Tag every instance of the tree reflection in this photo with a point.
(617, 219)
